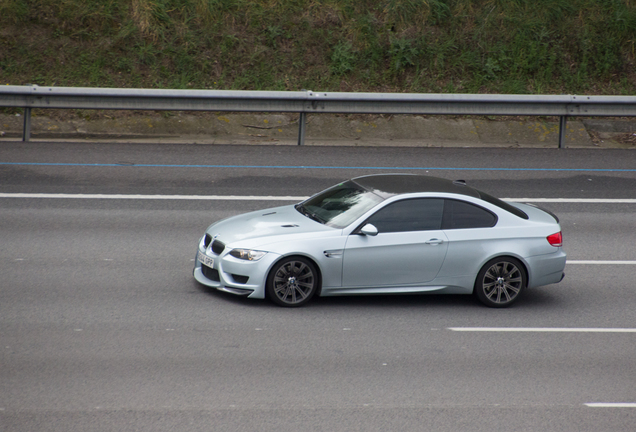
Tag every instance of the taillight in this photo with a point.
(556, 239)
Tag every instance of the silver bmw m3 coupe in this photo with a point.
(385, 234)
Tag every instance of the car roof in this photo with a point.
(387, 185)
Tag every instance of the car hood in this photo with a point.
(265, 226)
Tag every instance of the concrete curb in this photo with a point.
(322, 130)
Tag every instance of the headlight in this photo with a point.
(247, 254)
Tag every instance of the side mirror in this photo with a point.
(369, 230)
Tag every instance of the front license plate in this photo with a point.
(206, 260)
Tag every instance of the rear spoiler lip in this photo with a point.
(544, 210)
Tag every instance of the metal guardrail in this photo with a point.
(311, 102)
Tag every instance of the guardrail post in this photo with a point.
(301, 128)
(562, 122)
(26, 130)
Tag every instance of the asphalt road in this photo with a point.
(103, 328)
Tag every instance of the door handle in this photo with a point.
(434, 242)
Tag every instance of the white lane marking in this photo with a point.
(611, 405)
(543, 329)
(274, 198)
(155, 197)
(575, 200)
(601, 262)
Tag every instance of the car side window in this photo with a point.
(420, 214)
(461, 215)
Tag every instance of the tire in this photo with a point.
(500, 282)
(292, 282)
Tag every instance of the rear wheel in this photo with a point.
(292, 282)
(500, 282)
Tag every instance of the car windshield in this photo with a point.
(340, 205)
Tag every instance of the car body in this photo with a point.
(385, 234)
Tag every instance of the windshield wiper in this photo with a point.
(304, 210)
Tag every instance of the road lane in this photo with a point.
(103, 328)
(605, 174)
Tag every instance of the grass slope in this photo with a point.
(454, 46)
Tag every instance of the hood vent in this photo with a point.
(290, 226)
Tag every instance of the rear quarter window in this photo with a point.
(462, 215)
(502, 204)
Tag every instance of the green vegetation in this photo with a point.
(456, 46)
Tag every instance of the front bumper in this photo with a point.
(233, 275)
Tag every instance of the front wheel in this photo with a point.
(500, 282)
(292, 282)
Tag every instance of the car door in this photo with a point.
(471, 233)
(409, 248)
